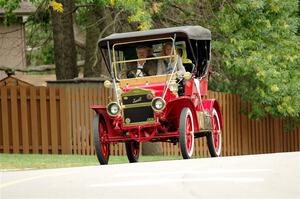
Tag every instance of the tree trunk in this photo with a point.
(96, 24)
(92, 67)
(64, 43)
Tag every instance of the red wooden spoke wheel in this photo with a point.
(186, 133)
(132, 151)
(214, 139)
(102, 147)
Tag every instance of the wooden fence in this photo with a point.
(59, 120)
(34, 120)
(48, 120)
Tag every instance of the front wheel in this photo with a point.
(214, 139)
(100, 131)
(186, 133)
(132, 151)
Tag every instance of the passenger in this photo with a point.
(180, 52)
(186, 62)
(164, 67)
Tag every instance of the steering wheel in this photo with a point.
(131, 73)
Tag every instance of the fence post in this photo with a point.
(44, 120)
(24, 119)
(244, 132)
(4, 118)
(34, 120)
(65, 121)
(53, 120)
(277, 136)
(15, 119)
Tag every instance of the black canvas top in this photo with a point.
(182, 32)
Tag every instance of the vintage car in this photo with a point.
(159, 107)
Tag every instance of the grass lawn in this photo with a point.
(37, 161)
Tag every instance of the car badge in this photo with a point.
(137, 100)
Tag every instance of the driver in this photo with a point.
(144, 67)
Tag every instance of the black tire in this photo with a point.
(132, 151)
(102, 149)
(214, 138)
(186, 133)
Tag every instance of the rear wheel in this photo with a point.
(100, 131)
(214, 139)
(186, 133)
(132, 151)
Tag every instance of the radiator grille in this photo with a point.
(137, 107)
(138, 115)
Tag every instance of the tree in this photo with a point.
(104, 18)
(260, 52)
(64, 43)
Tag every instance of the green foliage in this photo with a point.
(41, 56)
(138, 10)
(39, 36)
(260, 52)
(9, 6)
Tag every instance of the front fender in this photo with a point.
(209, 104)
(101, 111)
(174, 108)
(98, 108)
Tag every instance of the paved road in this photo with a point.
(257, 176)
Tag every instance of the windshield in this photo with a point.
(148, 58)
